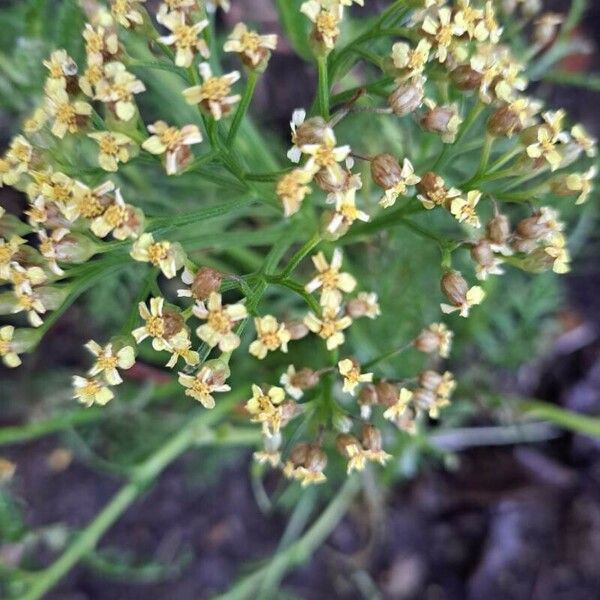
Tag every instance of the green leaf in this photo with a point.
(296, 26)
(583, 80)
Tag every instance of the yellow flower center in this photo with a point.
(324, 156)
(158, 252)
(109, 145)
(89, 206)
(349, 212)
(107, 362)
(155, 326)
(21, 153)
(328, 329)
(65, 113)
(250, 41)
(215, 88)
(6, 253)
(61, 192)
(90, 389)
(186, 37)
(4, 347)
(329, 278)
(326, 24)
(200, 387)
(94, 73)
(270, 340)
(115, 215)
(171, 138)
(47, 248)
(219, 321)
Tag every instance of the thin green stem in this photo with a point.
(385, 356)
(323, 87)
(242, 106)
(299, 255)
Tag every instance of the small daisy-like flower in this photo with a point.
(579, 184)
(265, 407)
(7, 352)
(488, 27)
(24, 279)
(306, 464)
(410, 61)
(220, 321)
(32, 304)
(292, 189)
(114, 148)
(214, 94)
(48, 247)
(398, 409)
(172, 142)
(557, 249)
(406, 177)
(253, 48)
(433, 191)
(16, 161)
(435, 338)
(202, 386)
(305, 131)
(271, 335)
(330, 280)
(117, 88)
(270, 453)
(584, 140)
(545, 148)
(346, 211)
(326, 21)
(181, 347)
(155, 325)
(325, 155)
(100, 43)
(67, 116)
(352, 450)
(123, 220)
(93, 74)
(164, 254)
(295, 382)
(184, 37)
(442, 32)
(108, 361)
(364, 305)
(466, 18)
(465, 209)
(127, 13)
(57, 188)
(90, 391)
(89, 203)
(350, 371)
(35, 121)
(8, 250)
(330, 326)
(60, 65)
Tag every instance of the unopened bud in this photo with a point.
(219, 371)
(288, 411)
(332, 180)
(305, 379)
(367, 398)
(427, 342)
(311, 131)
(440, 119)
(406, 98)
(433, 187)
(173, 321)
(466, 78)
(455, 287)
(424, 398)
(429, 379)
(296, 329)
(346, 445)
(341, 422)
(205, 282)
(75, 248)
(316, 459)
(371, 438)
(386, 171)
(482, 253)
(387, 393)
(498, 229)
(504, 121)
(532, 228)
(546, 28)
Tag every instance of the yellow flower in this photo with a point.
(292, 189)
(91, 391)
(265, 407)
(271, 335)
(326, 21)
(60, 65)
(7, 352)
(435, 338)
(16, 161)
(48, 247)
(466, 18)
(220, 320)
(57, 188)
(214, 94)
(442, 32)
(100, 43)
(108, 361)
(306, 464)
(584, 140)
(123, 220)
(252, 47)
(545, 148)
(488, 28)
(325, 155)
(181, 347)
(35, 121)
(581, 183)
(465, 210)
(410, 61)
(398, 409)
(31, 303)
(89, 203)
(184, 37)
(117, 88)
(114, 148)
(350, 371)
(8, 250)
(329, 327)
(346, 211)
(164, 254)
(24, 279)
(93, 74)
(406, 178)
(364, 305)
(172, 142)
(329, 279)
(557, 249)
(127, 12)
(202, 386)
(155, 325)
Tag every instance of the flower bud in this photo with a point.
(333, 179)
(427, 341)
(296, 329)
(466, 78)
(406, 98)
(546, 28)
(424, 398)
(173, 321)
(52, 296)
(341, 422)
(367, 397)
(311, 131)
(305, 379)
(371, 438)
(532, 228)
(504, 122)
(482, 253)
(433, 187)
(429, 379)
(498, 229)
(205, 282)
(346, 445)
(288, 411)
(440, 119)
(332, 236)
(219, 371)
(75, 248)
(386, 171)
(299, 454)
(455, 287)
(387, 393)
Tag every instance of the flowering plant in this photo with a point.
(250, 278)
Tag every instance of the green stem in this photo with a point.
(385, 356)
(299, 255)
(242, 106)
(323, 88)
(194, 433)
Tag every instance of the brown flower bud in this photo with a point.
(433, 187)
(174, 322)
(427, 341)
(387, 393)
(482, 253)
(455, 287)
(429, 379)
(311, 131)
(532, 228)
(332, 180)
(386, 171)
(296, 329)
(205, 282)
(305, 379)
(288, 411)
(438, 118)
(406, 98)
(371, 438)
(498, 229)
(368, 395)
(344, 442)
(505, 121)
(316, 459)
(299, 454)
(466, 78)
(546, 28)
(424, 398)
